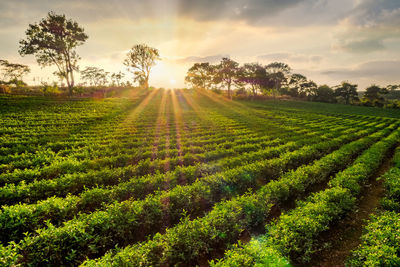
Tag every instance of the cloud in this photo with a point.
(369, 25)
(251, 10)
(384, 70)
(362, 46)
(373, 13)
(196, 59)
(255, 12)
(290, 57)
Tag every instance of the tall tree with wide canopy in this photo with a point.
(140, 59)
(373, 96)
(254, 75)
(348, 91)
(227, 73)
(324, 93)
(295, 84)
(278, 73)
(53, 42)
(201, 75)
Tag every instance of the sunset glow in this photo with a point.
(328, 41)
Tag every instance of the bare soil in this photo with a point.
(338, 242)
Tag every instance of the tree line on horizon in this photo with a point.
(54, 39)
(53, 42)
(254, 80)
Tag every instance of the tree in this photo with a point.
(53, 41)
(295, 85)
(140, 59)
(227, 73)
(278, 73)
(254, 75)
(393, 92)
(276, 67)
(201, 75)
(309, 89)
(324, 94)
(117, 77)
(348, 91)
(392, 87)
(13, 72)
(95, 76)
(374, 96)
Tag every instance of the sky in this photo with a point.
(328, 41)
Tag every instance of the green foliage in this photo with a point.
(53, 41)
(118, 182)
(347, 91)
(257, 253)
(373, 96)
(380, 243)
(140, 59)
(324, 94)
(295, 233)
(50, 89)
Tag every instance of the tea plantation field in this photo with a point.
(186, 178)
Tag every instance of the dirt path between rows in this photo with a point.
(338, 242)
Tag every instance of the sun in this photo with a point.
(172, 81)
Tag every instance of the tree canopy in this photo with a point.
(373, 96)
(12, 71)
(347, 91)
(227, 72)
(140, 59)
(200, 75)
(95, 76)
(116, 78)
(53, 41)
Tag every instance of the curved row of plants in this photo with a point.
(68, 166)
(40, 189)
(192, 241)
(130, 221)
(295, 234)
(380, 243)
(57, 210)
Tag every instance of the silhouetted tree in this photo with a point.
(201, 75)
(324, 94)
(227, 72)
(95, 76)
(140, 59)
(392, 87)
(13, 71)
(53, 41)
(295, 85)
(348, 91)
(278, 73)
(117, 77)
(309, 89)
(255, 76)
(373, 96)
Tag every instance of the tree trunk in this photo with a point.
(72, 78)
(70, 72)
(68, 84)
(229, 91)
(146, 83)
